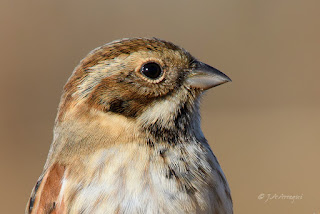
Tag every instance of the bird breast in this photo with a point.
(135, 178)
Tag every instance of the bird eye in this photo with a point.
(151, 70)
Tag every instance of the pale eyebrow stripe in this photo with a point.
(95, 75)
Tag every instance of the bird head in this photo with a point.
(150, 81)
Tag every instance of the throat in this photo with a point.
(172, 122)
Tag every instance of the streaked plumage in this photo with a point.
(127, 143)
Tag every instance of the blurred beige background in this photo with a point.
(264, 127)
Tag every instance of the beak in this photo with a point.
(204, 76)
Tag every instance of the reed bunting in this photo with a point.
(127, 137)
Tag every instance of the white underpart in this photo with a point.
(127, 181)
(118, 180)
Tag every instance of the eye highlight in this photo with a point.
(151, 70)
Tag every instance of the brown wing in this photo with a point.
(45, 193)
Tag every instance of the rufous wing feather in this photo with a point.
(45, 195)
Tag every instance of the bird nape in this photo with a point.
(127, 137)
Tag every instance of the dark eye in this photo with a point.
(151, 70)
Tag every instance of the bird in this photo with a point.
(127, 137)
